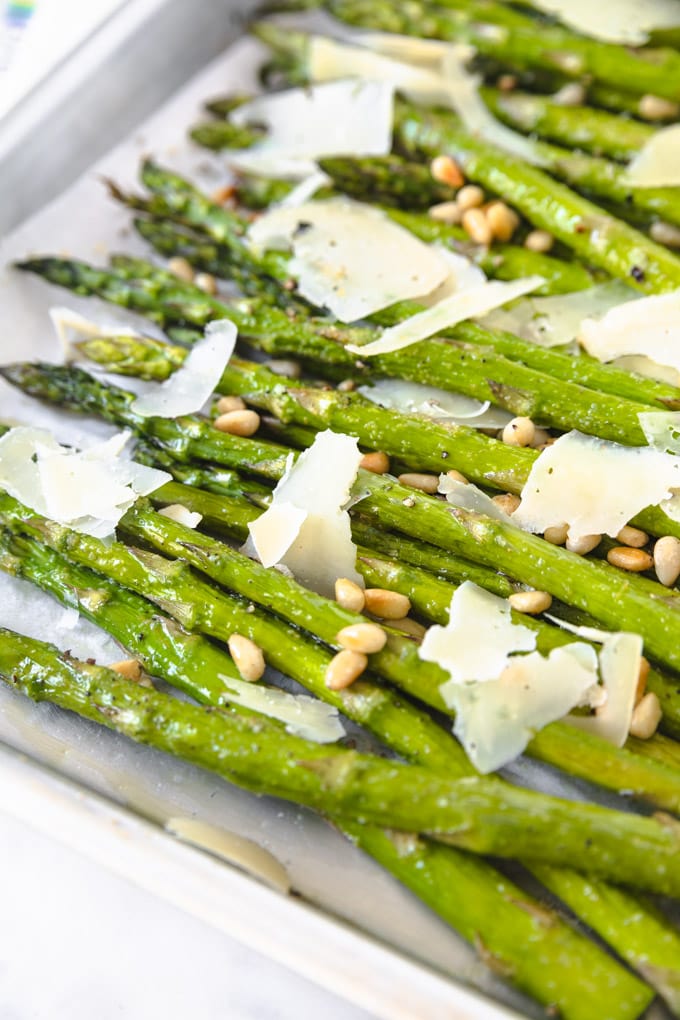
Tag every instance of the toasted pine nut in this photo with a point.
(531, 602)
(539, 241)
(226, 404)
(446, 212)
(247, 656)
(630, 559)
(557, 535)
(519, 432)
(456, 476)
(646, 717)
(349, 595)
(223, 194)
(665, 233)
(502, 220)
(344, 668)
(656, 108)
(445, 170)
(377, 462)
(667, 559)
(476, 226)
(541, 438)
(507, 82)
(206, 282)
(284, 366)
(571, 94)
(642, 680)
(633, 537)
(131, 669)
(584, 544)
(347, 386)
(426, 483)
(181, 268)
(362, 637)
(470, 197)
(387, 605)
(238, 423)
(506, 501)
(410, 627)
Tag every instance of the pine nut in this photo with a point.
(425, 483)
(206, 282)
(507, 82)
(470, 197)
(181, 268)
(456, 476)
(247, 656)
(507, 502)
(476, 226)
(362, 637)
(642, 680)
(446, 212)
(633, 537)
(410, 627)
(630, 559)
(541, 438)
(238, 423)
(519, 432)
(387, 605)
(656, 108)
(347, 386)
(539, 241)
(531, 602)
(349, 595)
(378, 463)
(284, 366)
(131, 669)
(344, 668)
(667, 559)
(584, 544)
(665, 233)
(646, 717)
(557, 535)
(571, 94)
(502, 220)
(223, 194)
(445, 170)
(226, 404)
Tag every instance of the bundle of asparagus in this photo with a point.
(199, 614)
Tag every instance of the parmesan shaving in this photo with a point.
(194, 382)
(303, 716)
(339, 118)
(560, 489)
(648, 326)
(181, 515)
(619, 668)
(478, 638)
(410, 49)
(468, 497)
(662, 430)
(641, 365)
(431, 402)
(657, 164)
(445, 314)
(350, 257)
(86, 490)
(626, 21)
(306, 528)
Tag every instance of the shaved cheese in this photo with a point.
(479, 637)
(657, 164)
(447, 313)
(71, 327)
(648, 325)
(88, 490)
(194, 382)
(340, 118)
(306, 189)
(626, 21)
(560, 489)
(306, 527)
(662, 430)
(464, 274)
(411, 49)
(556, 320)
(234, 849)
(304, 716)
(641, 365)
(350, 257)
(620, 659)
(495, 721)
(181, 515)
(431, 402)
(468, 497)
(587, 633)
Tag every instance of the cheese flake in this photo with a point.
(181, 515)
(619, 662)
(431, 402)
(648, 326)
(307, 528)
(468, 497)
(626, 21)
(349, 257)
(303, 716)
(560, 488)
(657, 164)
(71, 327)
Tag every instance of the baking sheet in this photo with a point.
(324, 868)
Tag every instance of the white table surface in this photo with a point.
(77, 942)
